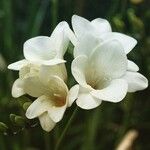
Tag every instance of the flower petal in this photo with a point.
(46, 122)
(101, 25)
(78, 68)
(28, 70)
(114, 92)
(136, 81)
(71, 36)
(127, 42)
(73, 94)
(52, 62)
(84, 47)
(132, 66)
(59, 89)
(17, 89)
(56, 113)
(86, 100)
(38, 107)
(18, 65)
(34, 87)
(60, 38)
(81, 26)
(39, 48)
(57, 86)
(109, 60)
(55, 70)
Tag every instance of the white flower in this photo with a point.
(91, 34)
(104, 73)
(85, 32)
(102, 29)
(46, 83)
(45, 50)
(51, 103)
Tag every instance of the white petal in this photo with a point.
(29, 70)
(73, 94)
(39, 48)
(81, 26)
(101, 25)
(56, 113)
(17, 89)
(34, 87)
(60, 91)
(39, 106)
(86, 100)
(87, 45)
(132, 66)
(57, 86)
(114, 92)
(60, 38)
(71, 36)
(52, 62)
(18, 65)
(46, 122)
(136, 81)
(127, 42)
(55, 70)
(78, 68)
(109, 60)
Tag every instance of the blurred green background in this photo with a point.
(102, 128)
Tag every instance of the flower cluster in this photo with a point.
(100, 67)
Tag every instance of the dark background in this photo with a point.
(102, 128)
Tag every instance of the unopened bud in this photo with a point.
(20, 121)
(26, 105)
(22, 100)
(12, 118)
(3, 127)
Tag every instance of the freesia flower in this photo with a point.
(90, 34)
(103, 72)
(42, 74)
(46, 83)
(45, 50)
(102, 29)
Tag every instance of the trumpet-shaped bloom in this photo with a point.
(46, 83)
(102, 29)
(91, 34)
(104, 74)
(45, 50)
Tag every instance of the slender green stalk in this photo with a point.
(39, 18)
(54, 12)
(123, 7)
(66, 128)
(91, 129)
(2, 144)
(47, 142)
(8, 24)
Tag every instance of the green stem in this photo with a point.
(47, 142)
(54, 12)
(66, 128)
(124, 5)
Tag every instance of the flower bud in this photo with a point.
(26, 105)
(3, 127)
